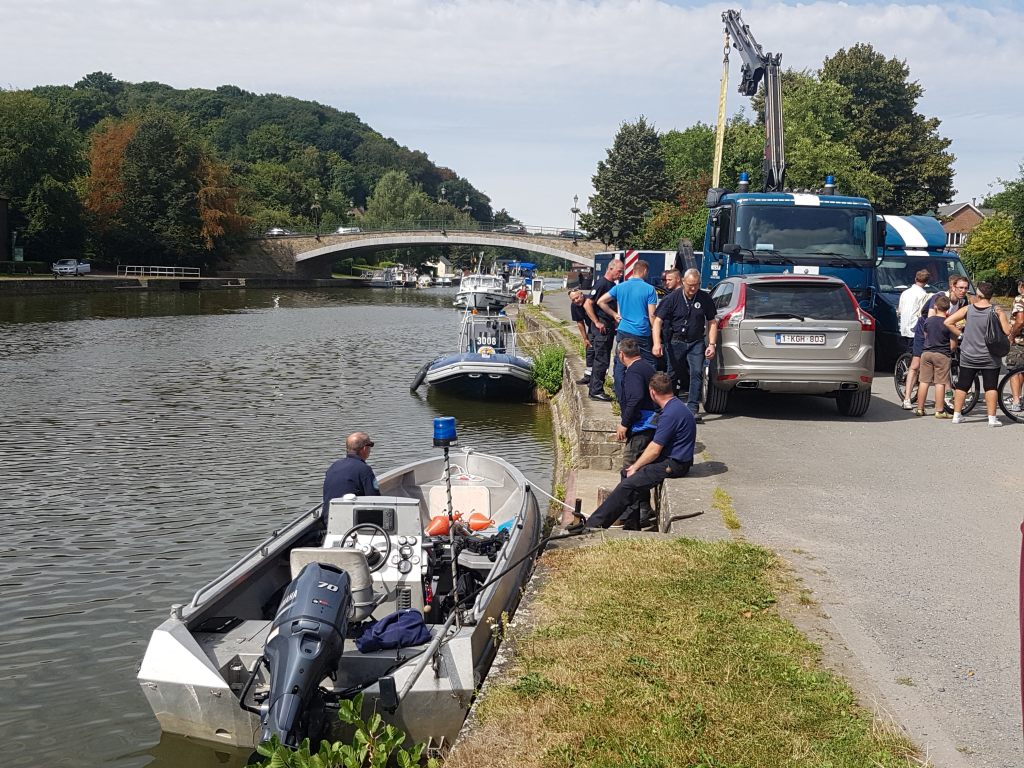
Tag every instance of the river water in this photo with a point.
(148, 439)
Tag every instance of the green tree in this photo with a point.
(627, 184)
(1011, 202)
(41, 154)
(995, 252)
(897, 143)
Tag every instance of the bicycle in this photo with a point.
(1005, 395)
(900, 380)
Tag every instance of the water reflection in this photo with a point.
(150, 438)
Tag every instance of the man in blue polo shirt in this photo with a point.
(636, 300)
(668, 455)
(351, 474)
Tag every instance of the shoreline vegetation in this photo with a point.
(688, 661)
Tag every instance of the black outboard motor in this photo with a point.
(306, 642)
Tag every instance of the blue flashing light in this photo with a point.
(830, 180)
(744, 176)
(444, 431)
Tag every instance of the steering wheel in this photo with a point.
(374, 531)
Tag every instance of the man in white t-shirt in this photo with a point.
(909, 312)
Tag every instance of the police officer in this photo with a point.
(691, 314)
(602, 329)
(351, 474)
(668, 455)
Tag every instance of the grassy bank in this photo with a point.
(670, 653)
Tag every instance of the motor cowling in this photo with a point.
(304, 646)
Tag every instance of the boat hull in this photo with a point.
(482, 376)
(198, 660)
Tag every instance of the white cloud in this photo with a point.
(524, 96)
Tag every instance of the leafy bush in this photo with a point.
(374, 745)
(548, 364)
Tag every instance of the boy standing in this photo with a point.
(935, 359)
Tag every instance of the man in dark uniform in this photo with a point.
(351, 474)
(602, 334)
(636, 424)
(691, 314)
(579, 316)
(668, 455)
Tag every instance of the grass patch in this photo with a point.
(722, 501)
(670, 653)
(548, 364)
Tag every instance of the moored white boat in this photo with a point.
(486, 365)
(485, 292)
(254, 655)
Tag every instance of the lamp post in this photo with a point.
(314, 210)
(443, 201)
(575, 212)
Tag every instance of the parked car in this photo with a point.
(792, 333)
(516, 229)
(71, 267)
(576, 234)
(347, 230)
(278, 232)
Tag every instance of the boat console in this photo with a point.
(388, 532)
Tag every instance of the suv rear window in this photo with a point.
(819, 302)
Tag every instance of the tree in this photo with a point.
(897, 143)
(1011, 202)
(627, 184)
(40, 156)
(994, 252)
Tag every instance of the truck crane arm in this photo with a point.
(758, 65)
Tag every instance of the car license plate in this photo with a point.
(799, 338)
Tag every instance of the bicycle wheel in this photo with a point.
(1005, 396)
(899, 377)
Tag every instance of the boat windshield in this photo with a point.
(488, 335)
(803, 231)
(896, 272)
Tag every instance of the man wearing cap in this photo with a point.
(351, 474)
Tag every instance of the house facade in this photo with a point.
(959, 220)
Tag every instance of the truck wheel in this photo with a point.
(717, 399)
(853, 402)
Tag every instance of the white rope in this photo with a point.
(567, 506)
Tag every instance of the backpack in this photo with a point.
(998, 343)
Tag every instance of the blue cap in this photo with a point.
(444, 431)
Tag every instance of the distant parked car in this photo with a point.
(278, 232)
(347, 230)
(802, 334)
(517, 229)
(71, 267)
(573, 233)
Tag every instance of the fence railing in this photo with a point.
(148, 271)
(435, 225)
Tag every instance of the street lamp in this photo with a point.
(443, 201)
(314, 210)
(575, 212)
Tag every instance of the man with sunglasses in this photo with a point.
(351, 474)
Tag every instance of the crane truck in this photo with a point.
(776, 230)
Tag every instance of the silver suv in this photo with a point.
(802, 334)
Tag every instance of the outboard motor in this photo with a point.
(304, 646)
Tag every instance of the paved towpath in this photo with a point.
(906, 530)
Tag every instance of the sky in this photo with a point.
(524, 97)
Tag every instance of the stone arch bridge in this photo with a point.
(305, 256)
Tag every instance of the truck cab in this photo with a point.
(789, 232)
(911, 243)
(657, 262)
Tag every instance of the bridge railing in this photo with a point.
(442, 225)
(150, 271)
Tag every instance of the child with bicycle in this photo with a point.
(935, 358)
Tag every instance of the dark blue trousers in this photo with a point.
(625, 495)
